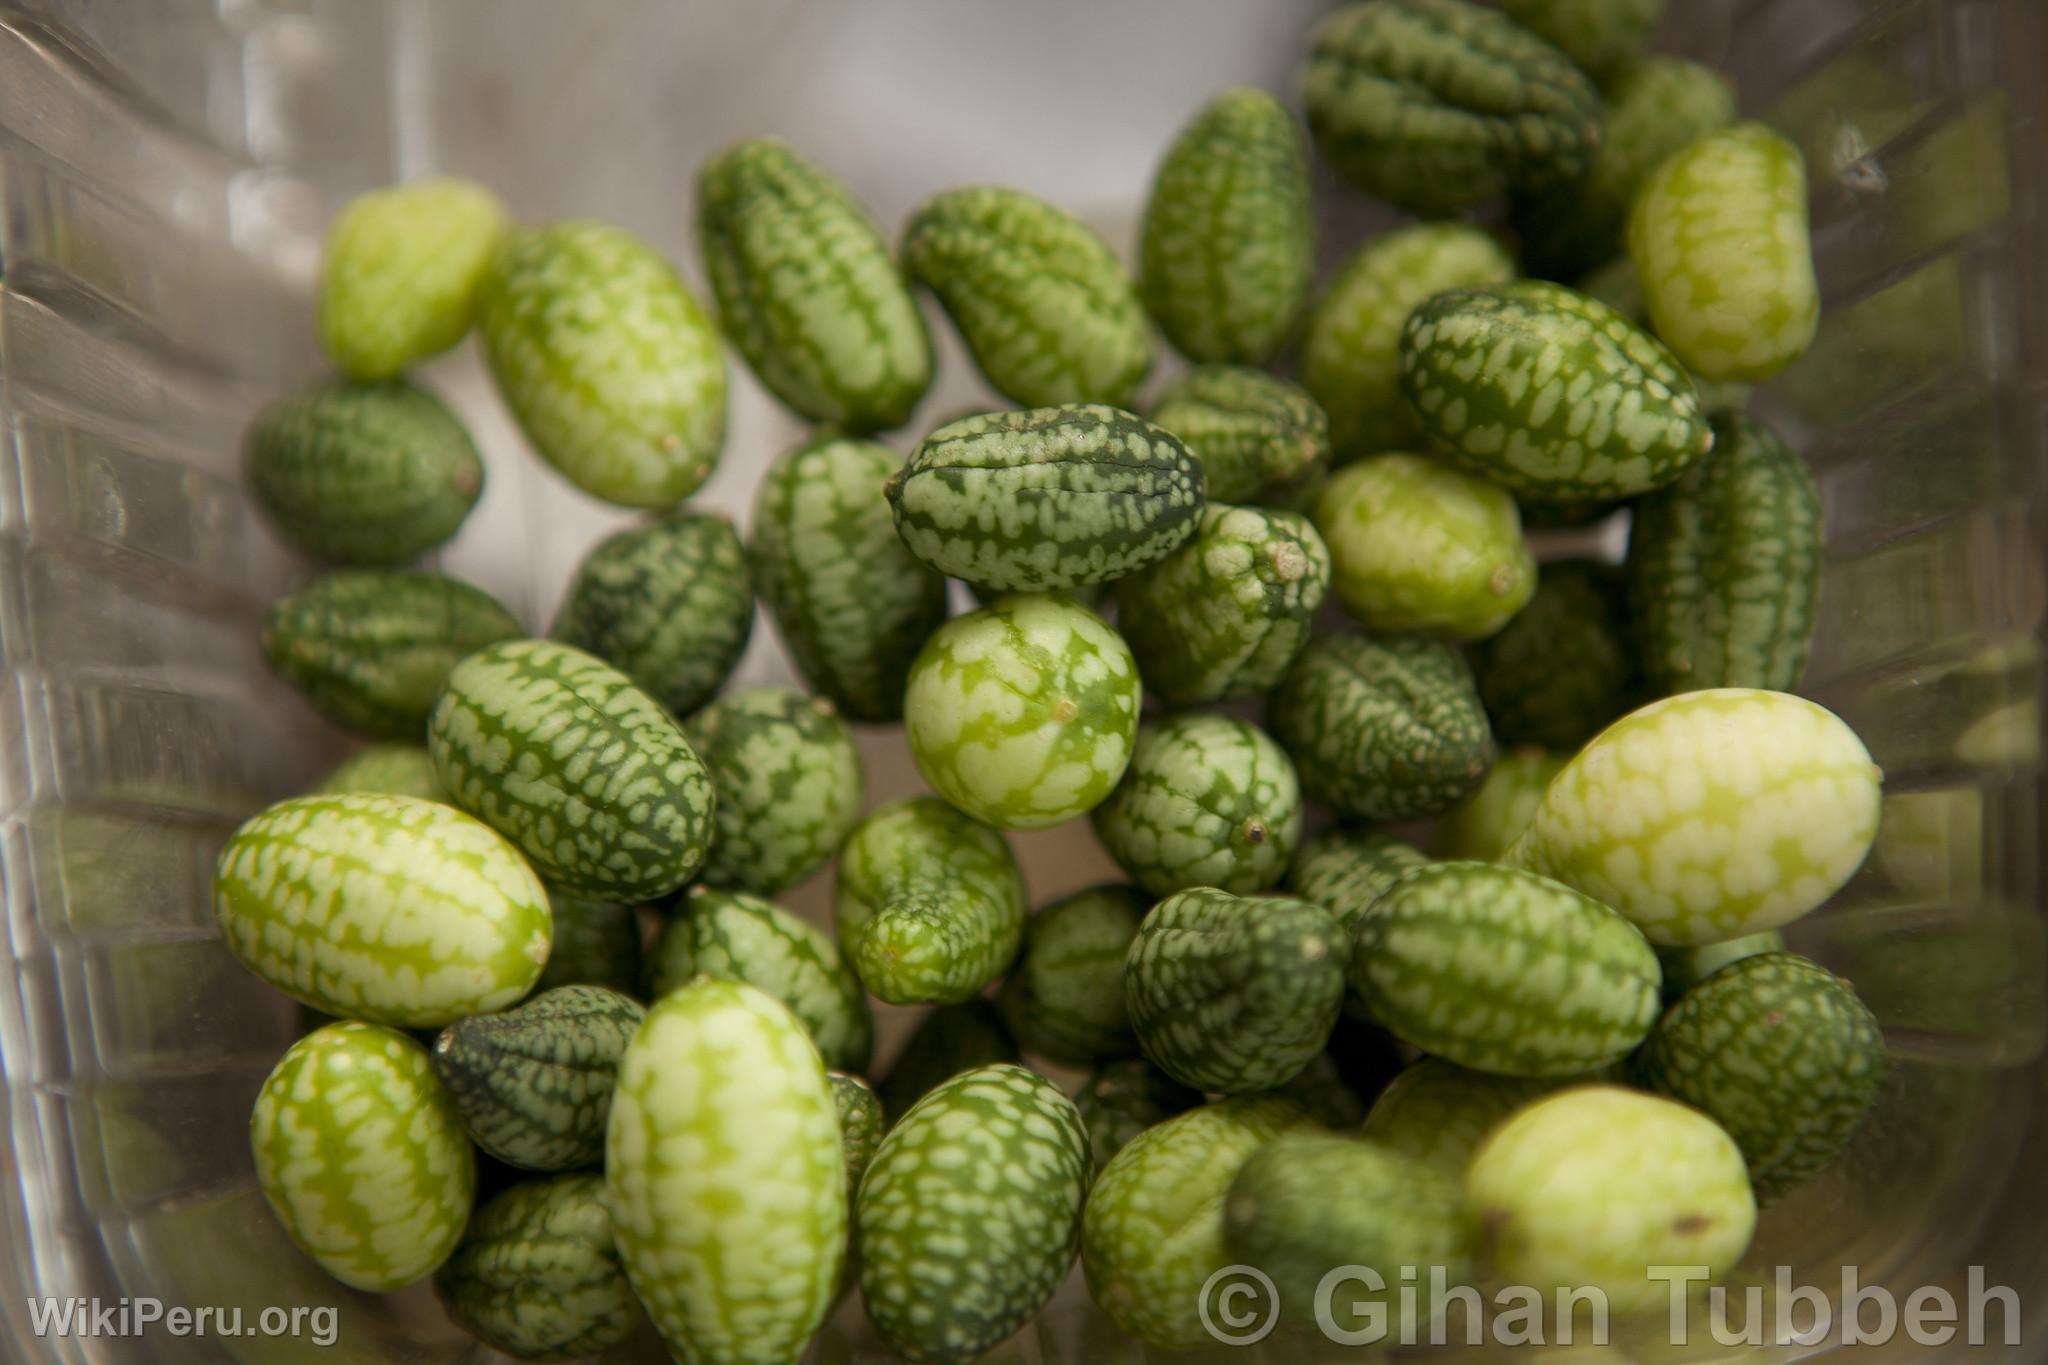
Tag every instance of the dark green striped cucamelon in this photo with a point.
(536, 1275)
(400, 273)
(606, 360)
(1234, 994)
(369, 649)
(1222, 617)
(807, 289)
(668, 604)
(1064, 999)
(597, 943)
(1432, 105)
(851, 603)
(860, 1123)
(392, 769)
(1382, 729)
(1045, 307)
(1344, 869)
(951, 1260)
(1724, 567)
(534, 1083)
(1122, 1100)
(1208, 800)
(1778, 1051)
(1259, 438)
(789, 786)
(1502, 970)
(1226, 252)
(1485, 825)
(1596, 34)
(370, 474)
(1563, 669)
(563, 755)
(1549, 393)
(744, 938)
(1046, 498)
(947, 1041)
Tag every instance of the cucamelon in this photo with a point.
(392, 769)
(401, 270)
(1484, 825)
(1064, 998)
(1259, 438)
(789, 784)
(947, 1041)
(1122, 1100)
(1564, 668)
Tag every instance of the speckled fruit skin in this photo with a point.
(726, 1176)
(360, 1154)
(384, 908)
(1710, 815)
(1778, 1051)
(1207, 801)
(1046, 309)
(390, 769)
(851, 603)
(401, 270)
(1416, 545)
(1438, 1112)
(1549, 393)
(1593, 1186)
(1722, 249)
(1122, 1100)
(1227, 249)
(1046, 498)
(1502, 971)
(1023, 714)
(949, 1040)
(1350, 358)
(1685, 968)
(1064, 998)
(1486, 824)
(807, 289)
(1615, 285)
(1259, 438)
(1595, 34)
(606, 360)
(1345, 869)
(970, 1213)
(1432, 105)
(789, 784)
(1564, 669)
(929, 903)
(860, 1123)
(563, 755)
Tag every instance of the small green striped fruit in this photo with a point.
(1685, 968)
(726, 1176)
(606, 360)
(1122, 1100)
(1595, 34)
(1438, 1112)
(970, 1213)
(384, 908)
(1023, 714)
(1064, 999)
(1208, 800)
(360, 1154)
(1564, 668)
(1503, 971)
(401, 273)
(789, 785)
(562, 754)
(807, 289)
(949, 1040)
(1483, 826)
(1259, 438)
(1344, 869)
(861, 1124)
(597, 943)
(392, 769)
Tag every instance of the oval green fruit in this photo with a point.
(1064, 998)
(1438, 1112)
(1259, 438)
(1595, 34)
(789, 784)
(597, 943)
(401, 273)
(1563, 669)
(1344, 869)
(390, 769)
(1485, 825)
(1208, 800)
(1122, 1100)
(861, 1124)
(947, 1041)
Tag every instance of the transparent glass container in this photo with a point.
(165, 169)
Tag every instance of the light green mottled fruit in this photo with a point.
(1023, 714)
(1615, 285)
(949, 1040)
(1258, 437)
(1208, 800)
(392, 769)
(1595, 34)
(1122, 1100)
(743, 938)
(1778, 1051)
(384, 908)
(1485, 824)
(860, 1123)
(606, 360)
(1222, 617)
(1045, 307)
(971, 1212)
(1563, 669)
(851, 603)
(1722, 248)
(1433, 105)
(1064, 1000)
(1152, 1234)
(1710, 815)
(1593, 1186)
(361, 1156)
(1549, 393)
(537, 1276)
(789, 786)
(929, 903)
(726, 1176)
(1685, 968)
(1437, 1112)
(1227, 249)
(401, 273)
(1654, 107)
(1503, 971)
(1234, 994)
(1724, 567)
(369, 649)
(1345, 869)
(1382, 729)
(1047, 498)
(562, 754)
(1350, 349)
(668, 604)
(807, 289)
(1416, 545)
(597, 943)
(368, 474)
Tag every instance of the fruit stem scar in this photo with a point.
(1690, 1224)
(1254, 832)
(1289, 563)
(1064, 710)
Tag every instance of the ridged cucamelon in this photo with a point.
(1064, 998)
(1208, 800)
(1125, 1098)
(401, 270)
(789, 785)
(1564, 668)
(1259, 438)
